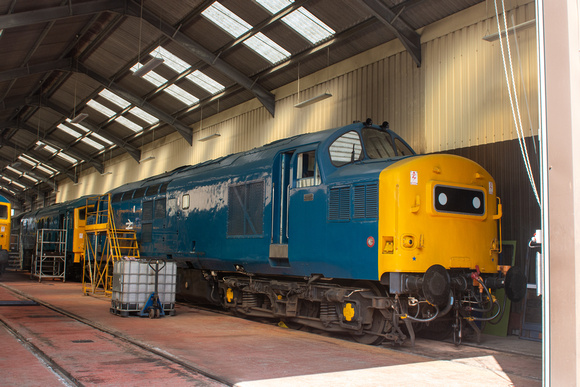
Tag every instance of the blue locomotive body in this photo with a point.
(261, 212)
(344, 230)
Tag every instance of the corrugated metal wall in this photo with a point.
(521, 213)
(503, 160)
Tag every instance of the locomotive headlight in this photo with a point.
(476, 202)
(442, 199)
(408, 241)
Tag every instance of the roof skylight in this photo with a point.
(301, 20)
(114, 98)
(129, 124)
(93, 134)
(30, 178)
(101, 108)
(205, 82)
(174, 90)
(226, 19)
(22, 186)
(179, 66)
(8, 190)
(14, 170)
(68, 130)
(173, 61)
(101, 138)
(76, 134)
(93, 143)
(236, 26)
(36, 164)
(109, 113)
(10, 181)
(60, 154)
(144, 115)
(267, 48)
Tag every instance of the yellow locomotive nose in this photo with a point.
(437, 209)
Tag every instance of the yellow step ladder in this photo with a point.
(104, 245)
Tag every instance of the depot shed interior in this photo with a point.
(78, 118)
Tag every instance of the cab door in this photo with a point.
(79, 223)
(280, 198)
(307, 213)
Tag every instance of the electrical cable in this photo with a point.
(517, 105)
(521, 140)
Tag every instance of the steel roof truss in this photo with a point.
(410, 39)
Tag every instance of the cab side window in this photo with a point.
(346, 149)
(307, 173)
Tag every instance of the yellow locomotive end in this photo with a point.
(437, 210)
(5, 220)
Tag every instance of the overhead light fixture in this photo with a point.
(511, 30)
(39, 146)
(79, 118)
(147, 159)
(107, 173)
(152, 64)
(78, 183)
(209, 137)
(310, 101)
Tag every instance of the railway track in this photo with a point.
(79, 352)
(81, 344)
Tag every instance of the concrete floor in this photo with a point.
(247, 353)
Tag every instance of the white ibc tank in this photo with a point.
(134, 281)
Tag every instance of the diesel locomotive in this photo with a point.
(342, 230)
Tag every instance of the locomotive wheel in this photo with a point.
(372, 335)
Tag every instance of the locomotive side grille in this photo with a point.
(359, 206)
(339, 204)
(246, 209)
(372, 201)
(366, 203)
(147, 233)
(147, 210)
(160, 208)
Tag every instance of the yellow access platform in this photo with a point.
(103, 244)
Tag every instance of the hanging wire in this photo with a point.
(140, 30)
(517, 122)
(524, 86)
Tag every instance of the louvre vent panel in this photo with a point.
(372, 201)
(246, 209)
(359, 205)
(339, 205)
(148, 210)
(365, 201)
